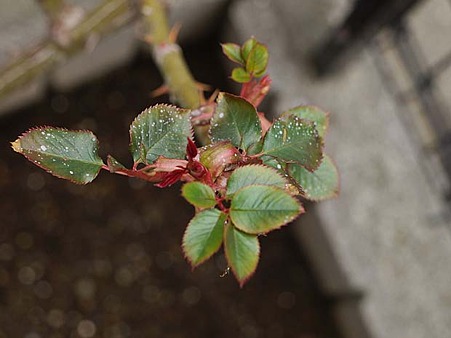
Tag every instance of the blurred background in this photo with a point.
(104, 260)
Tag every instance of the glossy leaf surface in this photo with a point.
(258, 209)
(199, 194)
(72, 155)
(242, 252)
(235, 120)
(161, 130)
(294, 140)
(203, 236)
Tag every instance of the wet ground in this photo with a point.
(104, 260)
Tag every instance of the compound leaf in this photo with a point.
(235, 120)
(203, 236)
(242, 252)
(199, 194)
(68, 154)
(251, 175)
(258, 209)
(293, 139)
(321, 184)
(161, 130)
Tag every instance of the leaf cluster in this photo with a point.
(252, 58)
(242, 185)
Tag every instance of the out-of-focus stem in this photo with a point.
(169, 58)
(108, 16)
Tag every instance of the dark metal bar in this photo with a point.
(366, 19)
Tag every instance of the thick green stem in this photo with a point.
(108, 16)
(169, 58)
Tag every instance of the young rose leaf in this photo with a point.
(233, 52)
(242, 252)
(240, 75)
(235, 120)
(251, 175)
(247, 48)
(293, 139)
(321, 184)
(161, 130)
(258, 209)
(72, 155)
(319, 117)
(218, 157)
(257, 60)
(114, 165)
(203, 236)
(199, 194)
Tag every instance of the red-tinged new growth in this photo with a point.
(194, 170)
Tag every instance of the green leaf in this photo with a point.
(321, 184)
(293, 139)
(199, 194)
(258, 209)
(233, 52)
(235, 120)
(203, 236)
(72, 155)
(161, 130)
(251, 175)
(319, 117)
(242, 252)
(257, 60)
(114, 165)
(247, 48)
(240, 75)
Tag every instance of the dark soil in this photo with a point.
(104, 260)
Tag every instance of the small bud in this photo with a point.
(218, 157)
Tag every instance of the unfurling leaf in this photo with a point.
(240, 75)
(251, 175)
(258, 209)
(219, 157)
(310, 113)
(293, 139)
(235, 120)
(199, 194)
(242, 252)
(72, 155)
(233, 52)
(321, 184)
(161, 130)
(203, 236)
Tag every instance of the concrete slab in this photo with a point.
(384, 230)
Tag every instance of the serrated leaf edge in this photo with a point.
(301, 209)
(243, 281)
(195, 265)
(18, 149)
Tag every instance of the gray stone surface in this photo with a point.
(384, 229)
(23, 25)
